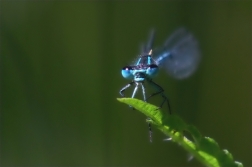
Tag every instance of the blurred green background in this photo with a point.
(61, 73)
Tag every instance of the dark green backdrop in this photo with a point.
(61, 72)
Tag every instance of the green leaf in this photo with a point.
(205, 149)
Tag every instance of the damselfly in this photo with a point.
(179, 56)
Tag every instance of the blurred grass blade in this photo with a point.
(205, 149)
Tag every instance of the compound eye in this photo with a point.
(127, 72)
(152, 70)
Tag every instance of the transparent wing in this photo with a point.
(145, 48)
(180, 54)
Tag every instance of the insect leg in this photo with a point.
(144, 94)
(160, 91)
(125, 87)
(149, 124)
